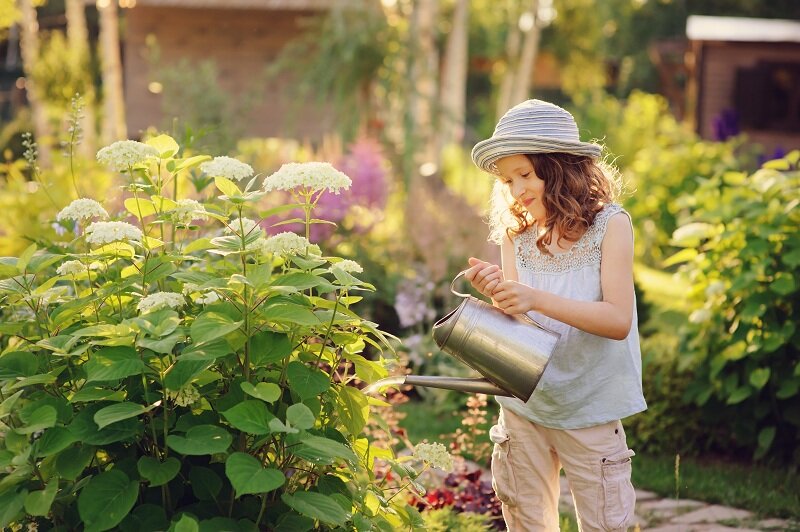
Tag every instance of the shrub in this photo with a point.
(169, 374)
(741, 253)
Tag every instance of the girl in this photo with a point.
(567, 258)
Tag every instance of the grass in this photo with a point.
(766, 491)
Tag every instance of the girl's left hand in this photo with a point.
(514, 298)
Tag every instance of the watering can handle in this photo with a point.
(524, 316)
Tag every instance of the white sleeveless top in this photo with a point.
(589, 380)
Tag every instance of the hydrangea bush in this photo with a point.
(157, 374)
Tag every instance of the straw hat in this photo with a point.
(534, 126)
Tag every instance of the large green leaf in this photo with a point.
(267, 347)
(206, 484)
(42, 418)
(249, 416)
(266, 391)
(186, 523)
(111, 414)
(218, 347)
(300, 416)
(248, 476)
(86, 430)
(353, 408)
(18, 364)
(113, 363)
(317, 506)
(88, 394)
(315, 448)
(201, 440)
(289, 313)
(106, 500)
(71, 463)
(226, 186)
(211, 325)
(306, 381)
(182, 372)
(39, 502)
(11, 503)
(54, 440)
(164, 145)
(158, 472)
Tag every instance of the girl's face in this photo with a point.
(516, 172)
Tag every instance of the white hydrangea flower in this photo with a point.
(241, 224)
(284, 244)
(186, 396)
(124, 154)
(107, 232)
(207, 298)
(314, 175)
(700, 316)
(189, 288)
(188, 210)
(228, 167)
(159, 300)
(435, 454)
(82, 209)
(71, 267)
(349, 266)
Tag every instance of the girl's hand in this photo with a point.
(484, 276)
(514, 298)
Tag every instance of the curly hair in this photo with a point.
(576, 189)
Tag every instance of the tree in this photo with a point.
(114, 127)
(453, 93)
(78, 41)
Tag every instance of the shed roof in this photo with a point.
(237, 4)
(703, 28)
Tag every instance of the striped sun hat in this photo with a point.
(533, 126)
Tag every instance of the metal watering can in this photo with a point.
(511, 352)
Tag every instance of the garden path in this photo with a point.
(657, 514)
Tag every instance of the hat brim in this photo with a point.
(487, 152)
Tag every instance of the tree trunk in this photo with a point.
(114, 127)
(29, 47)
(512, 56)
(78, 39)
(454, 78)
(424, 81)
(527, 61)
(520, 63)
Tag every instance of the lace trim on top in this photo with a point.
(584, 252)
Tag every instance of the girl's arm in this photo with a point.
(612, 317)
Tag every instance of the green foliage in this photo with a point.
(446, 520)
(164, 384)
(741, 252)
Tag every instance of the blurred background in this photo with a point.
(696, 102)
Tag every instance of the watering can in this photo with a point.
(511, 352)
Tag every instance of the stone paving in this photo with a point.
(657, 514)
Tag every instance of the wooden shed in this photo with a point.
(746, 77)
(241, 37)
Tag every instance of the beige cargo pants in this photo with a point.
(526, 461)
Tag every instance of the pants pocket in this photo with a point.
(503, 480)
(619, 498)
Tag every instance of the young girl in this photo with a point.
(567, 258)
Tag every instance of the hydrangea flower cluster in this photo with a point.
(187, 211)
(434, 454)
(206, 296)
(124, 154)
(349, 266)
(107, 232)
(411, 302)
(314, 175)
(186, 396)
(159, 300)
(227, 167)
(286, 244)
(241, 226)
(82, 209)
(71, 267)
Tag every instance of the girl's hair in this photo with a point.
(576, 189)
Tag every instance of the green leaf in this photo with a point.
(44, 378)
(39, 502)
(327, 448)
(7, 406)
(182, 372)
(206, 484)
(684, 255)
(353, 408)
(177, 165)
(765, 438)
(42, 418)
(317, 506)
(249, 416)
(735, 351)
(226, 186)
(280, 209)
(211, 325)
(54, 440)
(299, 280)
(118, 412)
(139, 207)
(307, 382)
(11, 504)
(267, 347)
(216, 348)
(106, 500)
(157, 472)
(248, 476)
(113, 363)
(71, 463)
(789, 387)
(186, 523)
(164, 145)
(276, 425)
(25, 257)
(759, 377)
(739, 395)
(200, 244)
(691, 234)
(18, 364)
(163, 346)
(85, 429)
(94, 393)
(300, 416)
(791, 258)
(784, 284)
(289, 313)
(266, 391)
(201, 440)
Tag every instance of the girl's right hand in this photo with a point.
(484, 276)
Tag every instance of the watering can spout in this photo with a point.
(460, 384)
